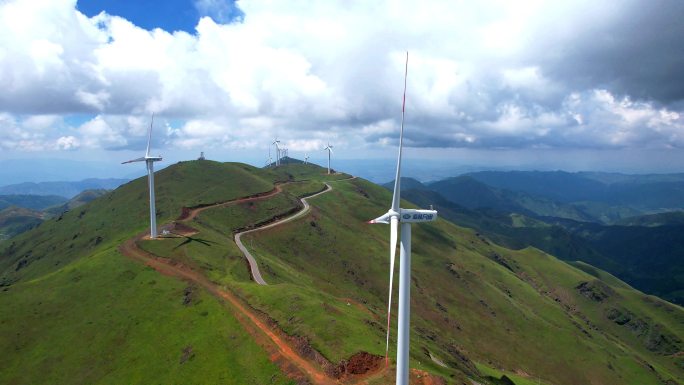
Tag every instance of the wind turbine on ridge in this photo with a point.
(306, 158)
(149, 161)
(275, 142)
(394, 217)
(329, 148)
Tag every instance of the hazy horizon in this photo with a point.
(13, 171)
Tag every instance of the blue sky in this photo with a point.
(579, 85)
(170, 15)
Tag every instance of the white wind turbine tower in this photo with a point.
(393, 217)
(306, 158)
(275, 142)
(270, 160)
(329, 148)
(149, 160)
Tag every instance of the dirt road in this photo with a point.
(253, 266)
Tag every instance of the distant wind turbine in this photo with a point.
(393, 217)
(329, 148)
(276, 142)
(149, 160)
(270, 160)
(306, 159)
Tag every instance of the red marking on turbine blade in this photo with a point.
(387, 347)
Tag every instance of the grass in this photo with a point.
(78, 312)
(108, 320)
(519, 380)
(304, 188)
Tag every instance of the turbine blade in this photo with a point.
(134, 160)
(149, 137)
(394, 230)
(331, 151)
(396, 196)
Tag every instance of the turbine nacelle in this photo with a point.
(407, 216)
(144, 159)
(417, 215)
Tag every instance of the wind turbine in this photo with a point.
(329, 148)
(306, 158)
(394, 217)
(277, 151)
(270, 160)
(149, 160)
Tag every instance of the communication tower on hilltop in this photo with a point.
(201, 156)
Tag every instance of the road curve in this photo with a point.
(253, 266)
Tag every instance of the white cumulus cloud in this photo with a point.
(486, 74)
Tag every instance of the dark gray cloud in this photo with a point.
(631, 47)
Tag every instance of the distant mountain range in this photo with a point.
(604, 219)
(640, 192)
(64, 189)
(32, 202)
(20, 212)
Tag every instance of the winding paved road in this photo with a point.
(253, 266)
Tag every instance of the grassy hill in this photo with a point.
(647, 256)
(80, 312)
(77, 201)
(16, 220)
(86, 314)
(525, 302)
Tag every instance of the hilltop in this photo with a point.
(85, 313)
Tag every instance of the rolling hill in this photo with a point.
(642, 193)
(79, 311)
(31, 202)
(16, 220)
(79, 200)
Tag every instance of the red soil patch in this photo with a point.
(421, 377)
(178, 229)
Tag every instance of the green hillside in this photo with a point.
(474, 194)
(77, 201)
(86, 314)
(16, 220)
(518, 310)
(81, 312)
(644, 251)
